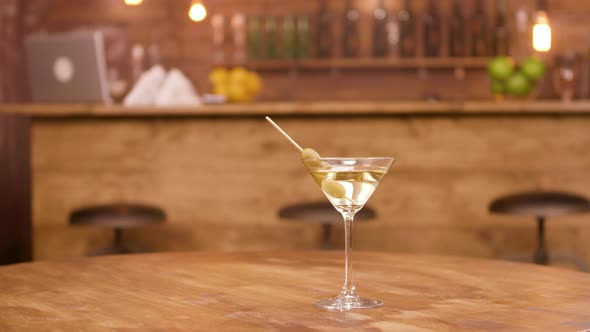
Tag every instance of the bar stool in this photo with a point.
(117, 217)
(322, 213)
(542, 205)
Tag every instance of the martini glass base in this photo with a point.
(348, 302)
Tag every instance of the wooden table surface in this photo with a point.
(276, 292)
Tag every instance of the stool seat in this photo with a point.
(117, 217)
(541, 204)
(322, 213)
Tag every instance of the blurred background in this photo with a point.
(268, 33)
(477, 99)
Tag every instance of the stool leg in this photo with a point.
(541, 255)
(326, 236)
(118, 240)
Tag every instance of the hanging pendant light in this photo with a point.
(542, 29)
(133, 2)
(197, 11)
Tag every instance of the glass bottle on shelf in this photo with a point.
(501, 37)
(218, 36)
(522, 34)
(380, 42)
(238, 27)
(393, 35)
(270, 32)
(350, 37)
(153, 50)
(289, 37)
(457, 41)
(255, 40)
(432, 31)
(324, 39)
(302, 38)
(138, 63)
(479, 31)
(407, 29)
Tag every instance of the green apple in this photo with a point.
(518, 84)
(500, 67)
(533, 68)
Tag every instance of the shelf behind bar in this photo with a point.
(365, 63)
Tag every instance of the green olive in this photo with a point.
(310, 159)
(308, 153)
(333, 188)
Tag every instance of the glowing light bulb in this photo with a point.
(197, 12)
(133, 2)
(542, 33)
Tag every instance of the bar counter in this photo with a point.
(222, 173)
(308, 108)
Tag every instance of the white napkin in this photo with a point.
(177, 90)
(146, 88)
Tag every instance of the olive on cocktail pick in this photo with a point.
(312, 159)
(308, 153)
(333, 188)
(280, 130)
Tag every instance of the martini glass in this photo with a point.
(348, 183)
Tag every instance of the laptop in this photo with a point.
(67, 68)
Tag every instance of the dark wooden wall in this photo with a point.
(18, 18)
(15, 189)
(188, 46)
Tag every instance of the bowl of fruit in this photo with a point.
(236, 85)
(515, 80)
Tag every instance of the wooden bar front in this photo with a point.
(222, 177)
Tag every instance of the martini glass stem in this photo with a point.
(348, 288)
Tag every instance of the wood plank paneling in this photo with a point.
(222, 180)
(15, 189)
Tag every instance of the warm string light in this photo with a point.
(542, 33)
(197, 12)
(133, 2)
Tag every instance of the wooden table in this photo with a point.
(276, 292)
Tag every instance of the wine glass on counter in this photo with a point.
(565, 74)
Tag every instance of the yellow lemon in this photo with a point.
(237, 93)
(253, 83)
(220, 89)
(238, 75)
(218, 76)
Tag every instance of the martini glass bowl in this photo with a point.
(348, 183)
